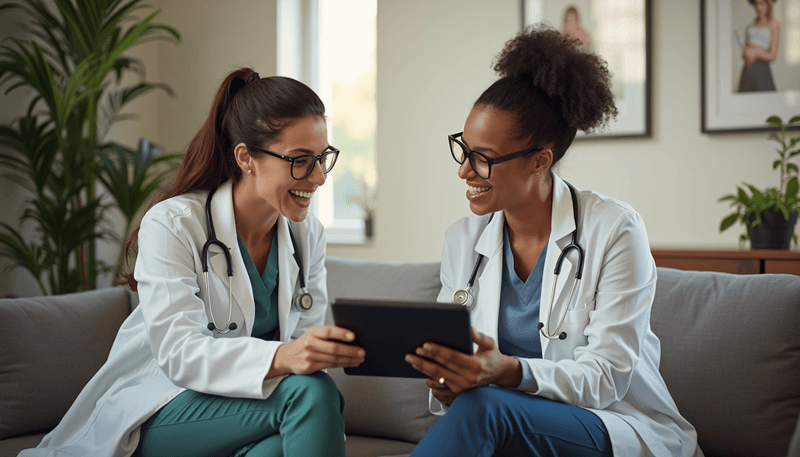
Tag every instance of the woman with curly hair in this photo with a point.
(564, 365)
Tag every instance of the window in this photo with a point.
(330, 45)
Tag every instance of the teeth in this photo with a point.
(302, 194)
(476, 190)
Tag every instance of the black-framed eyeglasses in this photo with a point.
(479, 162)
(303, 165)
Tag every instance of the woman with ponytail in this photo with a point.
(565, 364)
(225, 354)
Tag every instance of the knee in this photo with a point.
(477, 397)
(315, 389)
(480, 403)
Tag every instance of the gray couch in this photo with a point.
(730, 356)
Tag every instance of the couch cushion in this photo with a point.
(386, 407)
(51, 347)
(730, 355)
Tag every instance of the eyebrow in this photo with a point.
(477, 149)
(305, 151)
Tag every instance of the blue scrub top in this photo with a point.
(517, 328)
(265, 292)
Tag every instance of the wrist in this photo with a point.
(278, 368)
(511, 375)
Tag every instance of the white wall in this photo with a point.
(434, 59)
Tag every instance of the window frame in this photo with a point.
(298, 34)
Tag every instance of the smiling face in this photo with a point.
(270, 185)
(512, 185)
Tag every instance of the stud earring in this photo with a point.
(538, 173)
(249, 171)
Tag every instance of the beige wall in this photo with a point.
(217, 37)
(434, 59)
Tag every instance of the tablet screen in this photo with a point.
(388, 330)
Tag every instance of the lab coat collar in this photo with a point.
(561, 228)
(562, 220)
(225, 230)
(287, 278)
(490, 241)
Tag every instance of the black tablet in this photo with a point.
(388, 330)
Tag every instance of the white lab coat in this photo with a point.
(164, 347)
(609, 361)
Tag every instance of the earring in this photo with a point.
(249, 171)
(538, 173)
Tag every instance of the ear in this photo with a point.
(544, 159)
(243, 158)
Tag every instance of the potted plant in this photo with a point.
(366, 199)
(73, 67)
(770, 215)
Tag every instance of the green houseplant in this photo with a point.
(74, 67)
(770, 215)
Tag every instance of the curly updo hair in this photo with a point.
(554, 86)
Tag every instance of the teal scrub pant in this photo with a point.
(302, 417)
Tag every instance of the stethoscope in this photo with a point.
(464, 296)
(301, 301)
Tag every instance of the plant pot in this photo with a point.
(774, 231)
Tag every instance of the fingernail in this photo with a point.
(350, 336)
(361, 353)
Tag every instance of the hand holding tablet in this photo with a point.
(389, 330)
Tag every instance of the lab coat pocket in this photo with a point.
(579, 316)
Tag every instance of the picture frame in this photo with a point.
(736, 97)
(621, 33)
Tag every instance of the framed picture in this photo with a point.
(619, 31)
(750, 62)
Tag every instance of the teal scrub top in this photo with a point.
(265, 292)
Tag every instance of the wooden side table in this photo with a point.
(754, 261)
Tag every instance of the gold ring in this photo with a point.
(441, 380)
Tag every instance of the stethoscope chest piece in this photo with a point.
(302, 301)
(462, 297)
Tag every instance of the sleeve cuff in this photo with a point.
(528, 383)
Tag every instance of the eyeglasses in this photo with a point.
(479, 162)
(302, 166)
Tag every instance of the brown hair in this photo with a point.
(246, 109)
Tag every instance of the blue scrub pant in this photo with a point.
(492, 421)
(302, 417)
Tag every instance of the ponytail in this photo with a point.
(246, 109)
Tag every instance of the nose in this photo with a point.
(317, 176)
(465, 170)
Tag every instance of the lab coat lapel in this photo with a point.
(287, 278)
(490, 245)
(225, 228)
(561, 228)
